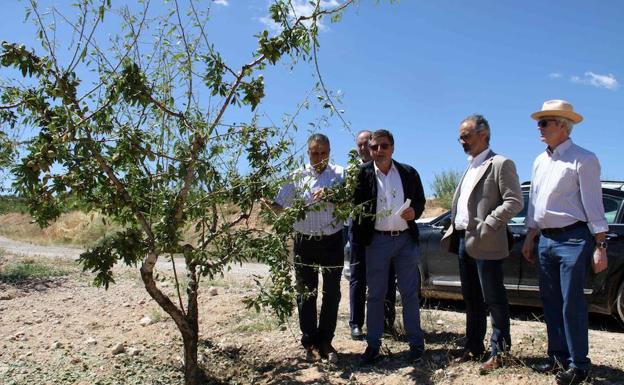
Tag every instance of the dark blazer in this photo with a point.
(366, 194)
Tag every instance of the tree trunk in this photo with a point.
(193, 375)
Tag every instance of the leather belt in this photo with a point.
(560, 230)
(392, 233)
(317, 238)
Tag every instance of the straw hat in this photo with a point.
(557, 108)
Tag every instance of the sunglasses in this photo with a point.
(544, 122)
(375, 147)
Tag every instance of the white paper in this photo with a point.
(403, 207)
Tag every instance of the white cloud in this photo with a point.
(300, 8)
(554, 75)
(221, 2)
(593, 79)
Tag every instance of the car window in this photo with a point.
(611, 207)
(519, 218)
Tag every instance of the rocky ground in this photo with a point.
(61, 330)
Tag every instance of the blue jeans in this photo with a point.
(563, 261)
(402, 252)
(483, 290)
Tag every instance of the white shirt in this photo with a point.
(389, 199)
(304, 182)
(566, 188)
(462, 216)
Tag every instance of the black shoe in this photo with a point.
(327, 352)
(356, 333)
(370, 356)
(572, 376)
(416, 353)
(550, 367)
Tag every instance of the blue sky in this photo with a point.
(418, 67)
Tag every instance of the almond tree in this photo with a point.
(137, 132)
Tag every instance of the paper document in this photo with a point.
(403, 207)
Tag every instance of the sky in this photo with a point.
(417, 68)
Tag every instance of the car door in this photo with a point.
(529, 273)
(442, 267)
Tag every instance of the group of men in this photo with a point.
(565, 210)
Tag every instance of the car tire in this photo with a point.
(619, 303)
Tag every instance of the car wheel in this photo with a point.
(619, 302)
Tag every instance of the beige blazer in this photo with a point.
(494, 199)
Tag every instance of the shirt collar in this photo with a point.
(378, 171)
(560, 149)
(479, 159)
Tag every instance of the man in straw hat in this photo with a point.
(565, 208)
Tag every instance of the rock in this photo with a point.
(439, 372)
(439, 322)
(118, 349)
(75, 360)
(56, 345)
(133, 351)
(145, 321)
(213, 291)
(41, 287)
(91, 341)
(7, 295)
(142, 302)
(126, 304)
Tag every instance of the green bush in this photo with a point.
(12, 204)
(21, 271)
(444, 185)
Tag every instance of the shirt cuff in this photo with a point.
(599, 226)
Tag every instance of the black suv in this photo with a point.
(604, 292)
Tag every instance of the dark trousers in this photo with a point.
(311, 255)
(484, 291)
(357, 289)
(563, 261)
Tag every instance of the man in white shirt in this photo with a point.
(391, 196)
(566, 209)
(487, 197)
(318, 245)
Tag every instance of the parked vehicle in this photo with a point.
(604, 291)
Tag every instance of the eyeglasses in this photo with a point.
(542, 123)
(465, 137)
(375, 147)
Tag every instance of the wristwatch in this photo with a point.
(601, 245)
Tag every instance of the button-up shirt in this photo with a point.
(462, 216)
(566, 188)
(304, 183)
(390, 198)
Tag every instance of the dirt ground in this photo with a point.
(64, 331)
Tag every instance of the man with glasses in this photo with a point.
(391, 197)
(566, 210)
(318, 245)
(487, 197)
(357, 278)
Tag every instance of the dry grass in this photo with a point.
(433, 209)
(73, 228)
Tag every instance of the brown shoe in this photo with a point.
(466, 356)
(494, 362)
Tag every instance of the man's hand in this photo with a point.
(408, 214)
(600, 260)
(318, 194)
(528, 246)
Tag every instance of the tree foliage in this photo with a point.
(444, 185)
(136, 131)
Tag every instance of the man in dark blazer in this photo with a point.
(384, 223)
(357, 277)
(487, 197)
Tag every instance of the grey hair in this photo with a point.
(318, 138)
(567, 122)
(481, 124)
